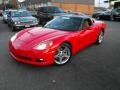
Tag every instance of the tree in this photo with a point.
(112, 0)
(109, 1)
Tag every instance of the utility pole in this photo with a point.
(4, 4)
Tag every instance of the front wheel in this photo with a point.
(112, 18)
(100, 37)
(13, 28)
(63, 54)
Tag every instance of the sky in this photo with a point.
(96, 3)
(101, 3)
(0, 1)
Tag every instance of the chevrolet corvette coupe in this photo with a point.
(57, 41)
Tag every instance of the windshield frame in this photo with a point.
(78, 27)
(21, 14)
(51, 10)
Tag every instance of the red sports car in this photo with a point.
(57, 41)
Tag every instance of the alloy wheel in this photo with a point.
(63, 54)
(100, 37)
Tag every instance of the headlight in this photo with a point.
(17, 23)
(44, 45)
(13, 37)
(35, 21)
(117, 13)
(55, 16)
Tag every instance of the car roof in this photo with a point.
(48, 6)
(10, 10)
(19, 10)
(22, 10)
(79, 16)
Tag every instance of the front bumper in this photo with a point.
(24, 26)
(118, 17)
(33, 57)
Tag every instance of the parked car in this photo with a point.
(19, 19)
(5, 15)
(47, 13)
(116, 4)
(106, 15)
(57, 41)
(115, 14)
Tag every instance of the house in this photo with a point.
(85, 6)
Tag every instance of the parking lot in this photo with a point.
(95, 68)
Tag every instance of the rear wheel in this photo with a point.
(100, 37)
(63, 54)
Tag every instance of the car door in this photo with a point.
(86, 34)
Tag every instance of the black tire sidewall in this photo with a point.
(65, 44)
(97, 42)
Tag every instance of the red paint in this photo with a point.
(22, 48)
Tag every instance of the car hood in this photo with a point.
(99, 12)
(59, 14)
(37, 35)
(23, 19)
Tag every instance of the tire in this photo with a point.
(43, 23)
(100, 37)
(112, 18)
(4, 21)
(9, 25)
(13, 28)
(97, 17)
(63, 54)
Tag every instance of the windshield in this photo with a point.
(6, 12)
(21, 14)
(65, 23)
(107, 12)
(51, 10)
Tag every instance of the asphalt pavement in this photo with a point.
(95, 68)
(1, 18)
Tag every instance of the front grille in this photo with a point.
(26, 23)
(22, 57)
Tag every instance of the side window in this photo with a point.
(90, 22)
(87, 23)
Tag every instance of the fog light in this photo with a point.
(40, 60)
